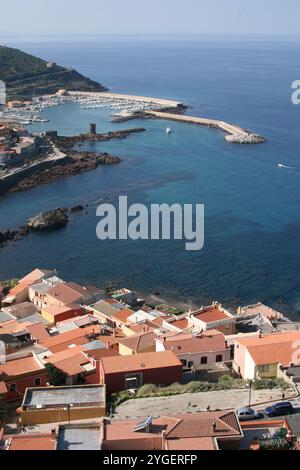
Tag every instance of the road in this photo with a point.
(195, 402)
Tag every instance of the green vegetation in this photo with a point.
(8, 285)
(56, 376)
(225, 382)
(265, 384)
(3, 410)
(25, 75)
(151, 390)
(274, 444)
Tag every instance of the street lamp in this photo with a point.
(249, 385)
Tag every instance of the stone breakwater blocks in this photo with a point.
(245, 139)
(2, 93)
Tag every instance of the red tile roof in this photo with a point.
(77, 336)
(274, 348)
(192, 431)
(21, 366)
(211, 340)
(210, 315)
(34, 276)
(181, 324)
(122, 315)
(38, 331)
(72, 365)
(139, 342)
(142, 361)
(66, 293)
(31, 442)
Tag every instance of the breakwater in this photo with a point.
(235, 134)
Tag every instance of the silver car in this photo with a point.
(247, 414)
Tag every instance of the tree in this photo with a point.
(3, 409)
(56, 376)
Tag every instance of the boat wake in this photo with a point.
(281, 165)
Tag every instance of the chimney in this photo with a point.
(53, 435)
(108, 345)
(214, 426)
(163, 440)
(114, 333)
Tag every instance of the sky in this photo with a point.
(149, 17)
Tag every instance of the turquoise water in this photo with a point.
(252, 220)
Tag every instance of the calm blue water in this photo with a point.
(252, 207)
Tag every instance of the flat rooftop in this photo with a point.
(62, 396)
(78, 437)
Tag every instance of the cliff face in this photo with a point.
(26, 75)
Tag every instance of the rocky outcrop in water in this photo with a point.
(49, 220)
(245, 139)
(7, 235)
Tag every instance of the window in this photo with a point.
(204, 360)
(13, 388)
(264, 369)
(219, 358)
(190, 364)
(183, 361)
(37, 382)
(133, 381)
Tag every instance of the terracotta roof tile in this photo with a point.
(139, 342)
(274, 348)
(142, 361)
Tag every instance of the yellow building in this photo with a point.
(62, 404)
(139, 343)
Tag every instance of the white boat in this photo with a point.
(169, 130)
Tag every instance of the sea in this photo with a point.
(252, 217)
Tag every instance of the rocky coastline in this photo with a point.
(68, 143)
(78, 162)
(44, 221)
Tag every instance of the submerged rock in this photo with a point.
(78, 208)
(49, 220)
(7, 236)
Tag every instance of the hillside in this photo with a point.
(26, 75)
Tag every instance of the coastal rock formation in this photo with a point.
(7, 236)
(77, 209)
(78, 162)
(245, 139)
(49, 220)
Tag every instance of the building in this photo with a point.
(20, 293)
(30, 442)
(194, 431)
(38, 291)
(105, 311)
(58, 404)
(213, 317)
(67, 293)
(139, 343)
(260, 309)
(19, 374)
(72, 338)
(131, 372)
(197, 349)
(21, 310)
(55, 313)
(259, 356)
(260, 433)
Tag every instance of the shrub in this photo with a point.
(147, 390)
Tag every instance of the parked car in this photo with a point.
(247, 414)
(280, 409)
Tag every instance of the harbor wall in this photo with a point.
(8, 181)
